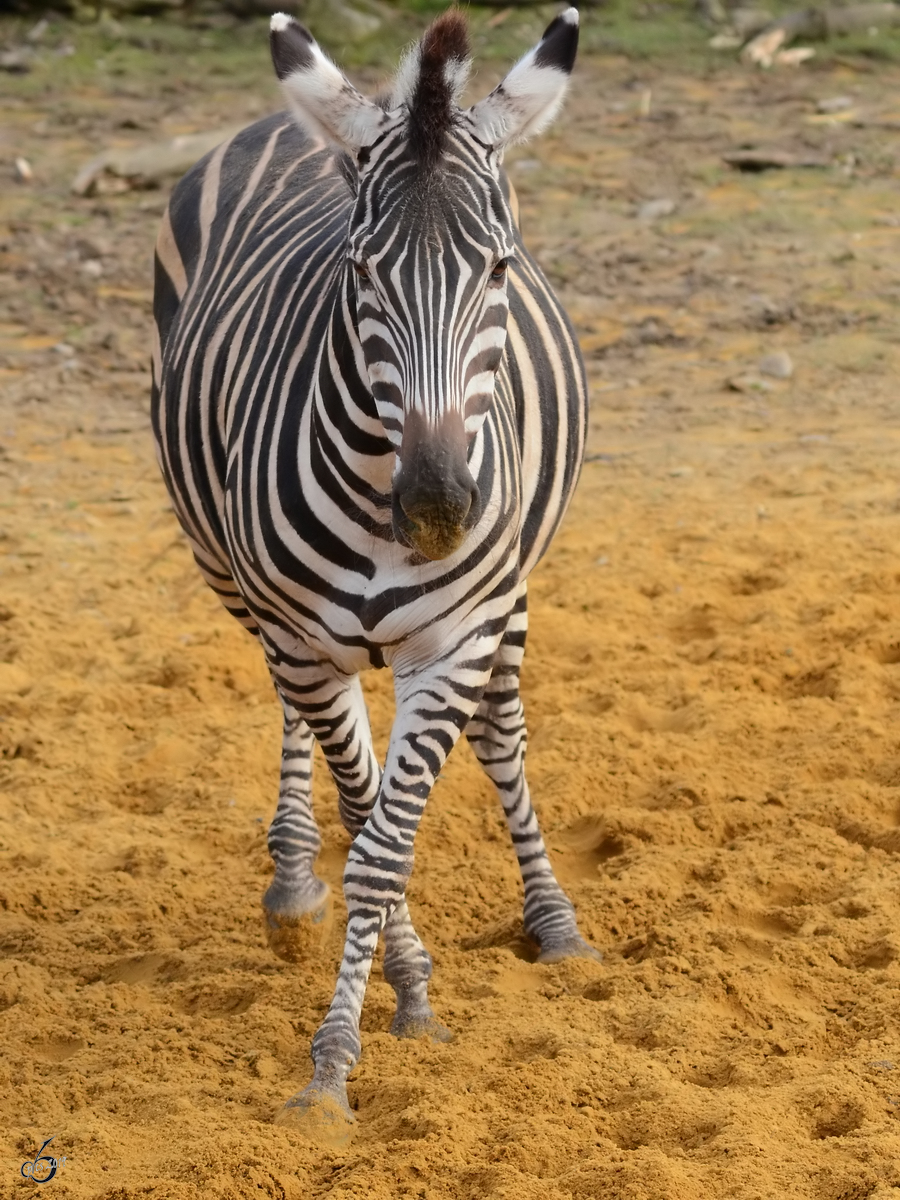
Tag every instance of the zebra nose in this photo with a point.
(435, 495)
(448, 501)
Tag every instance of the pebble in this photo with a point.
(652, 210)
(748, 20)
(778, 364)
(748, 384)
(37, 31)
(24, 173)
(834, 104)
(725, 41)
(17, 62)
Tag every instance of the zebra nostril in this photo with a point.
(474, 499)
(468, 501)
(448, 500)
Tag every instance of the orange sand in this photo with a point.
(713, 686)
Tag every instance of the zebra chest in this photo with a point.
(357, 603)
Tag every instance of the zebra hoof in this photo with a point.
(413, 1026)
(297, 922)
(322, 1117)
(569, 947)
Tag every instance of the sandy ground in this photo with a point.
(713, 685)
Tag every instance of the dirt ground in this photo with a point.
(713, 687)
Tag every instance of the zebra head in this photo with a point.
(428, 248)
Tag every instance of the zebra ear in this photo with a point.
(321, 97)
(532, 93)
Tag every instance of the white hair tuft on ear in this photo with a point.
(322, 98)
(532, 93)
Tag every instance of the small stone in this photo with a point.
(748, 384)
(834, 104)
(778, 364)
(652, 210)
(344, 22)
(22, 167)
(750, 21)
(794, 57)
(86, 247)
(16, 62)
(358, 24)
(37, 31)
(762, 49)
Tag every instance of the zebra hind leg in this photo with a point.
(407, 968)
(297, 903)
(498, 737)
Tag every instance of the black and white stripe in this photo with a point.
(370, 410)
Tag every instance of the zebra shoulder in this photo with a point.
(235, 179)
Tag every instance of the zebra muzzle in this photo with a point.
(436, 500)
(431, 533)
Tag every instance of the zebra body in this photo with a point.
(370, 411)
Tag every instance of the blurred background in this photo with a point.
(712, 682)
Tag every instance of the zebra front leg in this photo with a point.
(433, 706)
(354, 767)
(297, 903)
(497, 735)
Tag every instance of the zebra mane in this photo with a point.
(430, 82)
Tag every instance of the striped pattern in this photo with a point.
(326, 329)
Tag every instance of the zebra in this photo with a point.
(369, 409)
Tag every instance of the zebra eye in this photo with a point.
(499, 270)
(362, 271)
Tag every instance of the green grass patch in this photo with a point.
(149, 56)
